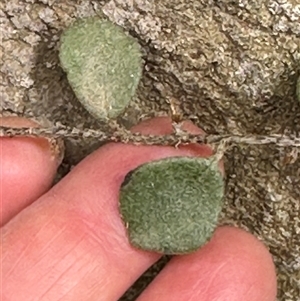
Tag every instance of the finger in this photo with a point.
(233, 266)
(28, 167)
(71, 243)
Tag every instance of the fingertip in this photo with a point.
(163, 126)
(244, 265)
(234, 266)
(28, 166)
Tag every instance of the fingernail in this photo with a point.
(171, 206)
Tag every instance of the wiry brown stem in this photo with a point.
(60, 131)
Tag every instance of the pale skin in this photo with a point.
(69, 243)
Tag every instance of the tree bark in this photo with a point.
(231, 64)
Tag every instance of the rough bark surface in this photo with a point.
(232, 64)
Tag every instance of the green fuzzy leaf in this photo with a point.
(172, 205)
(103, 65)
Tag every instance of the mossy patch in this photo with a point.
(172, 205)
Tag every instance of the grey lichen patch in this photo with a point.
(103, 65)
(172, 205)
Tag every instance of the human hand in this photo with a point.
(69, 243)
